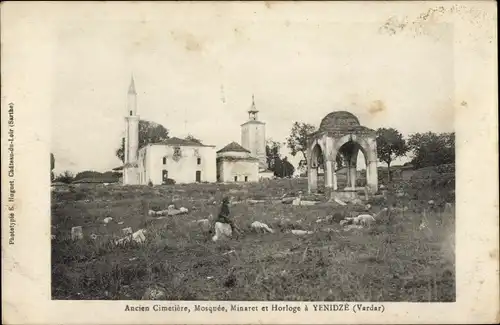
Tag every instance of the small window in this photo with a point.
(246, 178)
(164, 160)
(198, 161)
(130, 113)
(235, 178)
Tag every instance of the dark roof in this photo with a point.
(340, 131)
(230, 158)
(233, 147)
(338, 119)
(181, 142)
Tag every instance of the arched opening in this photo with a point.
(351, 166)
(316, 168)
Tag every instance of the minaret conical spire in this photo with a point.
(131, 88)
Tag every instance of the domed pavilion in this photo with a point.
(341, 133)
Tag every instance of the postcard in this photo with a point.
(249, 162)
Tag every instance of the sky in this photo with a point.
(196, 74)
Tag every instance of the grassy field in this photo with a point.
(391, 261)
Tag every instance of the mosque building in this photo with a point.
(185, 161)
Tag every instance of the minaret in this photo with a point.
(131, 137)
(253, 136)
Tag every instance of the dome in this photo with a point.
(338, 119)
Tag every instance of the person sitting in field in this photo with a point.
(223, 223)
(224, 215)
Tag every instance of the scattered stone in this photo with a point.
(430, 202)
(139, 236)
(127, 231)
(351, 227)
(330, 230)
(161, 212)
(222, 230)
(340, 202)
(154, 293)
(121, 223)
(77, 233)
(301, 232)
(171, 207)
(151, 213)
(183, 210)
(308, 203)
(93, 236)
(52, 237)
(173, 212)
(364, 220)
(255, 201)
(107, 220)
(288, 200)
(257, 225)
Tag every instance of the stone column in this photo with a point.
(353, 162)
(348, 174)
(372, 176)
(312, 179)
(352, 176)
(335, 186)
(328, 174)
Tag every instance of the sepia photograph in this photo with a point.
(270, 161)
(185, 169)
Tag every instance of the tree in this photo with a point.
(283, 168)
(192, 138)
(149, 132)
(297, 141)
(431, 149)
(52, 165)
(87, 174)
(272, 153)
(65, 177)
(390, 145)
